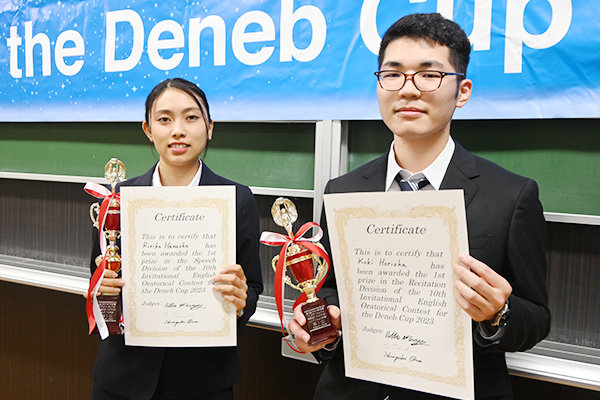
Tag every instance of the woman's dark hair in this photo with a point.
(185, 86)
(434, 29)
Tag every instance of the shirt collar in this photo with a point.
(434, 172)
(194, 182)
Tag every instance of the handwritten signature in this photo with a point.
(411, 340)
(190, 306)
(189, 321)
(402, 357)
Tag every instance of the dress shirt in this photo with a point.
(194, 182)
(434, 172)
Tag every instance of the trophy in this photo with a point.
(308, 268)
(110, 304)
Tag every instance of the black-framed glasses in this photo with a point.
(424, 81)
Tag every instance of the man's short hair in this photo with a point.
(434, 29)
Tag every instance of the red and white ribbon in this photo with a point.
(94, 314)
(311, 243)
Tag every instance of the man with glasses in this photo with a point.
(423, 62)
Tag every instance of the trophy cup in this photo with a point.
(110, 304)
(301, 261)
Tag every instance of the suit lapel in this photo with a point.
(374, 176)
(207, 177)
(142, 180)
(462, 173)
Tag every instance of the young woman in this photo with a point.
(178, 124)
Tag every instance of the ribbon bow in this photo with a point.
(94, 314)
(311, 243)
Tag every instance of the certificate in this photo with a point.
(174, 240)
(393, 255)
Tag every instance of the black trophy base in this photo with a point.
(110, 305)
(318, 323)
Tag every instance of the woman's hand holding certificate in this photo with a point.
(231, 283)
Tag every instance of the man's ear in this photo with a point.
(465, 89)
(146, 129)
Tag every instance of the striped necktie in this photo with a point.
(411, 185)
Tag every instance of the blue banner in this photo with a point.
(96, 60)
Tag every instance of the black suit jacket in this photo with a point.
(506, 230)
(133, 372)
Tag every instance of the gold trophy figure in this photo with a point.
(110, 304)
(301, 262)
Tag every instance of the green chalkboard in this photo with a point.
(563, 156)
(256, 154)
(280, 155)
